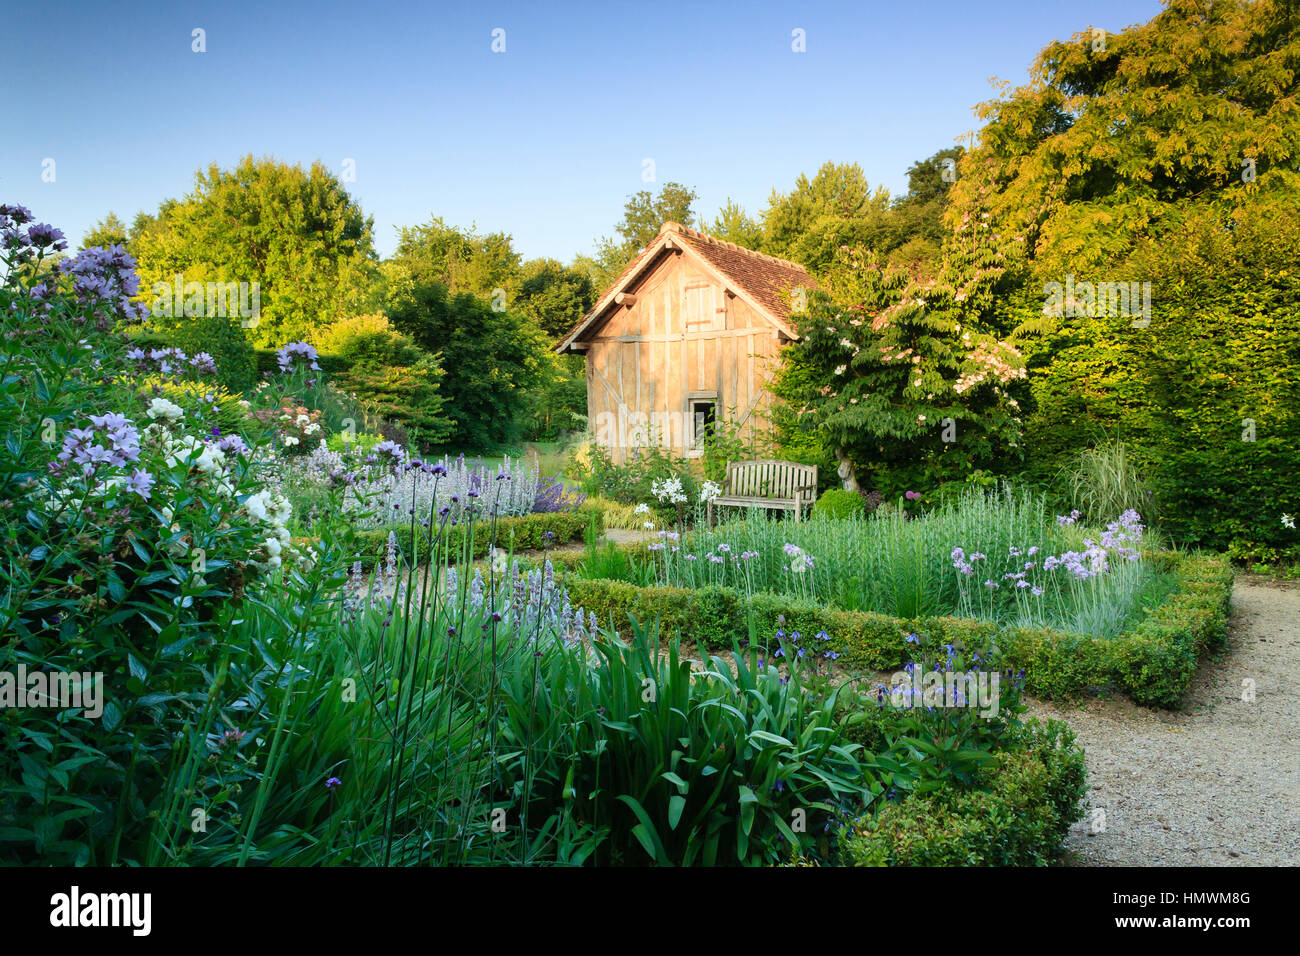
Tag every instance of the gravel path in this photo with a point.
(1216, 783)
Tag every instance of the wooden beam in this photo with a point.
(625, 298)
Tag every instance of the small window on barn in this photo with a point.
(703, 415)
(701, 309)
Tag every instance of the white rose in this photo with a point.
(161, 408)
(256, 505)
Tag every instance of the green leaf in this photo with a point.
(672, 778)
(675, 807)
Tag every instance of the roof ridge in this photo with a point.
(713, 240)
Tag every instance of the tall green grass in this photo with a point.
(902, 565)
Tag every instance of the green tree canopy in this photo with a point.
(492, 359)
(915, 221)
(392, 376)
(461, 259)
(109, 231)
(295, 232)
(644, 214)
(554, 295)
(733, 224)
(1164, 155)
(834, 208)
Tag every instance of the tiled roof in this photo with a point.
(767, 280)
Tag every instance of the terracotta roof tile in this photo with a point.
(769, 281)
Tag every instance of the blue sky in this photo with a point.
(544, 141)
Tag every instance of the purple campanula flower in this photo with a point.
(141, 482)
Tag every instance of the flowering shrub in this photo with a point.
(633, 480)
(134, 529)
(903, 384)
(297, 429)
(552, 496)
(172, 363)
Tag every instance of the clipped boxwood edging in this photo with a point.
(1153, 663)
(525, 532)
(1032, 793)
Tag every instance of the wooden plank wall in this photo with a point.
(684, 334)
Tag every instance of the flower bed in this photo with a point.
(1153, 662)
(996, 556)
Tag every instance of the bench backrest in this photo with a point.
(770, 478)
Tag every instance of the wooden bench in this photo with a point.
(768, 483)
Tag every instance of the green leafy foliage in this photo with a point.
(220, 336)
(295, 232)
(1153, 661)
(491, 359)
(1165, 155)
(399, 380)
(1018, 813)
(838, 503)
(898, 381)
(644, 761)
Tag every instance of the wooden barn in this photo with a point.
(687, 335)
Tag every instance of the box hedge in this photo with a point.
(1153, 662)
(1029, 796)
(524, 533)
